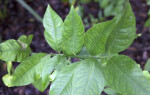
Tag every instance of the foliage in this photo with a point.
(147, 70)
(107, 8)
(100, 64)
(147, 65)
(3, 11)
(147, 23)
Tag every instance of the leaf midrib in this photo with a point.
(90, 74)
(56, 42)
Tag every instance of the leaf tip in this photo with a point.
(72, 7)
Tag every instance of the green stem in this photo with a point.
(9, 67)
(26, 6)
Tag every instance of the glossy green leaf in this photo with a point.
(12, 50)
(112, 36)
(147, 65)
(53, 25)
(55, 63)
(80, 78)
(123, 33)
(29, 70)
(38, 85)
(73, 35)
(25, 40)
(125, 76)
(96, 37)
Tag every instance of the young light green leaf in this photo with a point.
(73, 35)
(125, 76)
(123, 33)
(7, 80)
(25, 40)
(147, 65)
(146, 74)
(53, 25)
(96, 37)
(29, 70)
(38, 85)
(53, 75)
(80, 78)
(12, 50)
(55, 63)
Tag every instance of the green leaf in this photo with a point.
(147, 23)
(84, 52)
(53, 75)
(85, 1)
(25, 40)
(96, 37)
(123, 33)
(80, 78)
(53, 25)
(7, 80)
(103, 3)
(147, 65)
(112, 36)
(29, 70)
(125, 76)
(148, 2)
(55, 63)
(12, 50)
(73, 35)
(38, 85)
(146, 74)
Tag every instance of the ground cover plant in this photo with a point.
(100, 64)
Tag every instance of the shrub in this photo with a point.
(100, 64)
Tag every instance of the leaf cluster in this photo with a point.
(100, 66)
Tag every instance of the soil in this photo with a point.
(19, 21)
